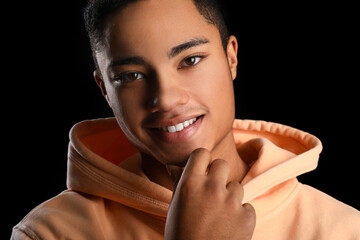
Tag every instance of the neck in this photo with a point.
(226, 149)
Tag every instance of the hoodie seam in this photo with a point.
(28, 232)
(107, 183)
(292, 195)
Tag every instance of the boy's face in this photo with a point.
(162, 65)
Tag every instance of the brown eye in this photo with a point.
(130, 76)
(190, 61)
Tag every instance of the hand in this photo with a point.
(204, 205)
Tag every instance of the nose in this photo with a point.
(167, 93)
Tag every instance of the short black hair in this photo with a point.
(96, 12)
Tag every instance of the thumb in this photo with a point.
(175, 174)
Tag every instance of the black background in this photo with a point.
(298, 65)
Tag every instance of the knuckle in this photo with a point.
(250, 213)
(234, 185)
(221, 162)
(201, 155)
(236, 189)
(201, 151)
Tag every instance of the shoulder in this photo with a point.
(329, 214)
(324, 201)
(67, 213)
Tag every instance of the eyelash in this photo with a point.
(121, 77)
(183, 63)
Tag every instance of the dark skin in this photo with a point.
(204, 186)
(166, 76)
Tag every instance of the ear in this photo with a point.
(231, 50)
(101, 84)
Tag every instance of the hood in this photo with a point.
(276, 154)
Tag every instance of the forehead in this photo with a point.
(153, 25)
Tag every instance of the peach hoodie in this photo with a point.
(105, 201)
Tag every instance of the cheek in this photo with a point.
(126, 104)
(214, 88)
(128, 110)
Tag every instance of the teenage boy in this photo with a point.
(174, 163)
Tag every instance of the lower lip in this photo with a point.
(182, 136)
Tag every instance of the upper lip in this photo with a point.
(157, 122)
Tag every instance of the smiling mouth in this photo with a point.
(179, 132)
(178, 127)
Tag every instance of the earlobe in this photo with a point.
(101, 84)
(232, 49)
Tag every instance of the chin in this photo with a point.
(179, 159)
(180, 156)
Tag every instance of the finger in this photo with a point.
(219, 170)
(198, 162)
(249, 208)
(236, 189)
(250, 216)
(175, 174)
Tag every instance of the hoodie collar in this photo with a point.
(275, 152)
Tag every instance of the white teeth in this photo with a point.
(178, 127)
(186, 123)
(171, 129)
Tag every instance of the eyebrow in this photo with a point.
(174, 51)
(186, 45)
(127, 61)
